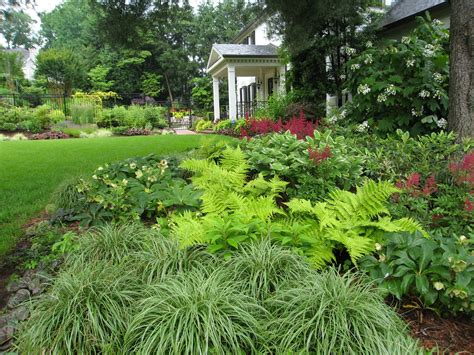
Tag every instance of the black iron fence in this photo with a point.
(244, 109)
(179, 114)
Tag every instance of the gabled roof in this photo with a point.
(404, 10)
(220, 52)
(246, 50)
(247, 30)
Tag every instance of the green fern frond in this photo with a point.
(410, 225)
(372, 197)
(263, 208)
(320, 255)
(259, 186)
(357, 246)
(187, 229)
(234, 160)
(300, 206)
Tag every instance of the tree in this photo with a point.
(11, 68)
(62, 69)
(461, 83)
(15, 28)
(316, 35)
(98, 78)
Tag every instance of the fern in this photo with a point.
(353, 220)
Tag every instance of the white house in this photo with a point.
(252, 66)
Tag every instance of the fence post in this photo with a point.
(14, 101)
(64, 104)
(168, 112)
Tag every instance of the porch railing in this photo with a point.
(244, 109)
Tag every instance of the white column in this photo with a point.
(232, 93)
(215, 94)
(282, 80)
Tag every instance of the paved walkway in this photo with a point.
(183, 132)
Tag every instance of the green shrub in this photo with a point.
(236, 211)
(222, 125)
(264, 268)
(195, 313)
(203, 125)
(333, 314)
(404, 85)
(66, 196)
(72, 132)
(56, 116)
(86, 311)
(437, 271)
(114, 243)
(156, 116)
(312, 167)
(42, 115)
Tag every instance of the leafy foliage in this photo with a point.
(436, 271)
(132, 189)
(235, 211)
(405, 84)
(147, 295)
(355, 221)
(285, 156)
(85, 311)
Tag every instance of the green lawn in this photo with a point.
(31, 170)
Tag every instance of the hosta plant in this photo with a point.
(436, 272)
(138, 188)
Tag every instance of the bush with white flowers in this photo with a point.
(402, 84)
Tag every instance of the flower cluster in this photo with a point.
(413, 185)
(463, 171)
(439, 78)
(442, 123)
(318, 156)
(355, 67)
(363, 89)
(363, 127)
(391, 90)
(298, 126)
(410, 63)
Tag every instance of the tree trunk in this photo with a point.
(461, 82)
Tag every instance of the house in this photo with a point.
(254, 70)
(401, 16)
(28, 58)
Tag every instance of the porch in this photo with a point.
(253, 74)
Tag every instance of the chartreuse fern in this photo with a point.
(354, 220)
(235, 210)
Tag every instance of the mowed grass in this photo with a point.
(31, 170)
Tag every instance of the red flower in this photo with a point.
(468, 207)
(413, 180)
(319, 156)
(430, 186)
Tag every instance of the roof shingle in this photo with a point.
(246, 50)
(404, 9)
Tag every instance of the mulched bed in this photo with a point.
(450, 335)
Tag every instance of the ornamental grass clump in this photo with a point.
(264, 267)
(333, 314)
(114, 242)
(160, 258)
(86, 311)
(196, 313)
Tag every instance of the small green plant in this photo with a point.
(312, 167)
(195, 313)
(86, 311)
(332, 314)
(203, 125)
(134, 189)
(436, 271)
(222, 125)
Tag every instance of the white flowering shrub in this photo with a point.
(402, 84)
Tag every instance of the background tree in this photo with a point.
(62, 69)
(15, 28)
(98, 78)
(461, 83)
(317, 34)
(11, 69)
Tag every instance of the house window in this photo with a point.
(270, 86)
(252, 38)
